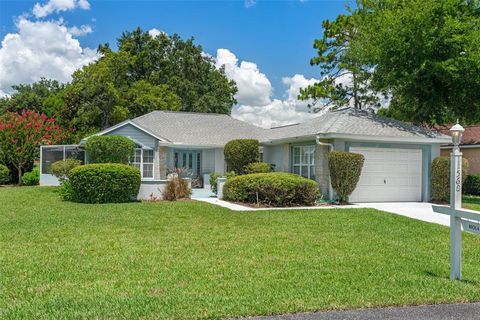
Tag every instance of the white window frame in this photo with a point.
(141, 164)
(300, 165)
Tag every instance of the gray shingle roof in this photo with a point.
(204, 129)
(351, 121)
(198, 129)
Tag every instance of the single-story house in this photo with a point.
(397, 165)
(470, 146)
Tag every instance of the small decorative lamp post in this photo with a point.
(456, 203)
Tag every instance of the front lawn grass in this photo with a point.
(184, 260)
(471, 202)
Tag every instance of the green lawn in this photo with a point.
(471, 202)
(193, 260)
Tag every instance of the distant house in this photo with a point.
(470, 146)
(398, 155)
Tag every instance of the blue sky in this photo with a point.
(275, 35)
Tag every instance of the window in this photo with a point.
(143, 160)
(303, 161)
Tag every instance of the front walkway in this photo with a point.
(467, 311)
(416, 210)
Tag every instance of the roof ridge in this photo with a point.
(192, 112)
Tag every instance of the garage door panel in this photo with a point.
(389, 174)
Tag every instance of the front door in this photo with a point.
(188, 159)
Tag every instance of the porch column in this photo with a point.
(162, 162)
(322, 171)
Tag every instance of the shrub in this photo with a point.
(258, 167)
(109, 149)
(472, 185)
(104, 183)
(240, 153)
(177, 188)
(4, 174)
(214, 177)
(345, 169)
(213, 181)
(276, 189)
(441, 177)
(62, 168)
(31, 178)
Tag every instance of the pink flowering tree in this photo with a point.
(21, 135)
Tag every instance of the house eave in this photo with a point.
(413, 140)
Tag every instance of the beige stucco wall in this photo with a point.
(471, 154)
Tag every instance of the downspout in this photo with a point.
(330, 148)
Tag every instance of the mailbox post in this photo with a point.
(456, 204)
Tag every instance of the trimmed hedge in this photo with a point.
(472, 185)
(441, 177)
(62, 168)
(258, 167)
(240, 153)
(31, 178)
(345, 169)
(275, 189)
(104, 183)
(109, 149)
(4, 174)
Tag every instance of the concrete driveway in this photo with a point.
(467, 311)
(415, 210)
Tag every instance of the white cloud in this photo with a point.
(250, 3)
(40, 49)
(154, 32)
(254, 88)
(280, 111)
(41, 11)
(254, 97)
(83, 30)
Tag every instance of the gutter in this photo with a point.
(330, 149)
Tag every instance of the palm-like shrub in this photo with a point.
(176, 189)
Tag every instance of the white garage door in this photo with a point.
(389, 175)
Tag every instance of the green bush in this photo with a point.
(214, 177)
(441, 177)
(176, 189)
(345, 169)
(213, 181)
(472, 185)
(240, 153)
(62, 168)
(109, 149)
(258, 167)
(31, 178)
(104, 183)
(4, 174)
(275, 189)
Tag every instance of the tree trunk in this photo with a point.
(355, 93)
(19, 168)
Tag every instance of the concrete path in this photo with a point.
(416, 210)
(237, 207)
(467, 311)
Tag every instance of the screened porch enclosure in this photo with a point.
(51, 154)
